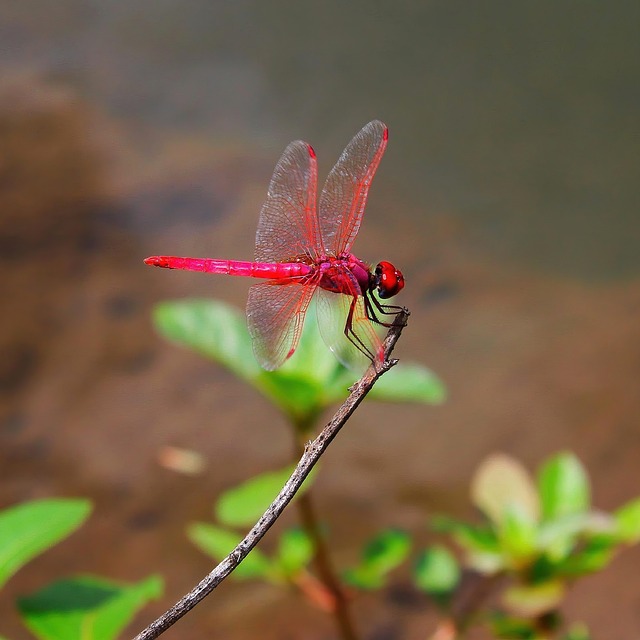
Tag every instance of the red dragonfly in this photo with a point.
(302, 251)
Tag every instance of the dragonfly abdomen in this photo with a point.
(275, 270)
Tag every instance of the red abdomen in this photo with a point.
(275, 270)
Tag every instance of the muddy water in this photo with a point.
(508, 196)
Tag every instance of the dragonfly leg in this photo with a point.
(386, 309)
(352, 336)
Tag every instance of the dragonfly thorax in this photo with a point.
(346, 274)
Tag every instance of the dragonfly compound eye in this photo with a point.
(389, 280)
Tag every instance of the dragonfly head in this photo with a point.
(387, 280)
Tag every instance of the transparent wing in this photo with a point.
(275, 315)
(365, 344)
(344, 195)
(288, 224)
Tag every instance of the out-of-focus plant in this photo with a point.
(306, 385)
(238, 509)
(538, 537)
(78, 608)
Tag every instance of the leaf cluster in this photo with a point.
(539, 535)
(78, 608)
(309, 382)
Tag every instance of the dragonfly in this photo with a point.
(303, 252)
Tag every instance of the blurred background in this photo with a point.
(508, 196)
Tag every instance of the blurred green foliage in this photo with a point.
(240, 507)
(383, 553)
(79, 608)
(85, 607)
(538, 537)
(28, 529)
(309, 382)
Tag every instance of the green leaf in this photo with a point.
(628, 522)
(436, 571)
(242, 505)
(308, 382)
(85, 607)
(387, 550)
(481, 544)
(212, 328)
(512, 628)
(488, 564)
(300, 399)
(559, 536)
(517, 534)
(534, 600)
(381, 555)
(500, 483)
(27, 530)
(364, 577)
(219, 332)
(469, 537)
(409, 382)
(595, 554)
(295, 551)
(564, 487)
(218, 543)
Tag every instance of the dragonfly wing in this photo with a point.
(288, 225)
(333, 311)
(344, 195)
(275, 315)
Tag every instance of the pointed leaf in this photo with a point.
(534, 600)
(557, 537)
(387, 550)
(213, 329)
(364, 577)
(218, 543)
(480, 543)
(517, 534)
(470, 537)
(502, 482)
(85, 607)
(628, 522)
(308, 382)
(409, 382)
(244, 504)
(436, 571)
(219, 332)
(28, 529)
(381, 555)
(295, 551)
(488, 564)
(595, 554)
(564, 486)
(512, 628)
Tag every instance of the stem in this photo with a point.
(322, 558)
(312, 453)
(470, 601)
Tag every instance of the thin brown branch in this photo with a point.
(312, 453)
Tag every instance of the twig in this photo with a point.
(310, 457)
